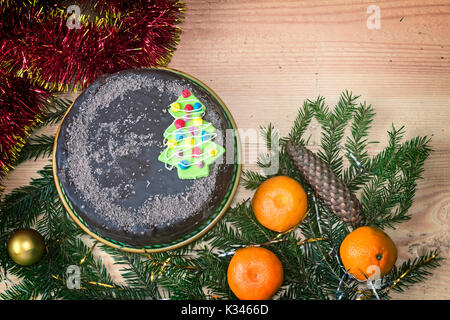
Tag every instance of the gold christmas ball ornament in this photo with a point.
(26, 247)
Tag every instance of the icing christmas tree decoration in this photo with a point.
(197, 121)
(184, 164)
(192, 130)
(196, 152)
(197, 106)
(186, 93)
(189, 139)
(200, 164)
(205, 136)
(171, 143)
(179, 123)
(175, 107)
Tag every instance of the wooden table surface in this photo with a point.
(264, 58)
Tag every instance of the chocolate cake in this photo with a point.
(109, 164)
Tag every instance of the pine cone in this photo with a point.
(328, 186)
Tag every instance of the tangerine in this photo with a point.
(280, 203)
(366, 250)
(254, 273)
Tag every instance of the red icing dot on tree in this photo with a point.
(179, 123)
(186, 93)
(196, 152)
(188, 107)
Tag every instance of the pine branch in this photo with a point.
(356, 175)
(137, 273)
(180, 273)
(403, 277)
(21, 207)
(387, 198)
(333, 126)
(251, 180)
(239, 226)
(301, 123)
(214, 276)
(42, 145)
(39, 146)
(269, 135)
(19, 291)
(413, 271)
(268, 160)
(325, 267)
(54, 111)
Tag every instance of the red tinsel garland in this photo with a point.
(20, 103)
(55, 56)
(39, 54)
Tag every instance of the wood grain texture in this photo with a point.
(264, 58)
